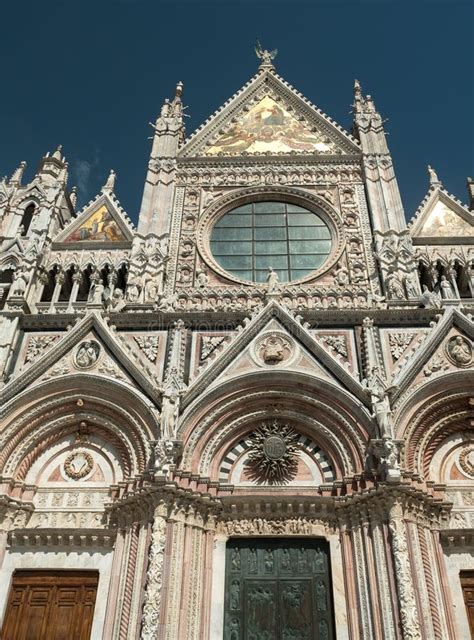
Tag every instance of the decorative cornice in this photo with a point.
(104, 538)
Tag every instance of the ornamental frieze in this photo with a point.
(276, 173)
(298, 525)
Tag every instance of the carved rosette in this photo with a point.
(152, 599)
(273, 454)
(406, 594)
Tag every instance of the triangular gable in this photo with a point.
(118, 357)
(422, 357)
(267, 116)
(101, 222)
(441, 217)
(320, 357)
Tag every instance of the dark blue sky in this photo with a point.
(92, 77)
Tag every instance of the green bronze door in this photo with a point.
(278, 590)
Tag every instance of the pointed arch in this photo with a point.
(317, 409)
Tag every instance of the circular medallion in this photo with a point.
(459, 351)
(87, 354)
(78, 464)
(273, 454)
(273, 349)
(466, 461)
(274, 447)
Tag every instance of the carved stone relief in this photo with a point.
(273, 349)
(37, 345)
(149, 346)
(87, 354)
(459, 351)
(273, 453)
(78, 464)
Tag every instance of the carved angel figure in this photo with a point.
(264, 55)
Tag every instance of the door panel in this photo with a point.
(50, 605)
(467, 584)
(261, 611)
(278, 589)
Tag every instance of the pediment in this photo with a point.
(441, 218)
(268, 117)
(90, 348)
(101, 223)
(274, 341)
(448, 348)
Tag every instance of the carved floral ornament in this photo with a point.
(78, 464)
(242, 196)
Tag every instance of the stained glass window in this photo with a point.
(248, 240)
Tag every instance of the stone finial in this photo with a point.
(73, 197)
(109, 186)
(57, 154)
(434, 180)
(357, 90)
(265, 56)
(179, 90)
(18, 173)
(470, 189)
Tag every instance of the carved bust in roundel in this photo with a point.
(274, 349)
(87, 354)
(459, 351)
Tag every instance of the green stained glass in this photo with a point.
(253, 237)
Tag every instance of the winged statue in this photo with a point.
(264, 55)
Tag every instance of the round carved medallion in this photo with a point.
(78, 464)
(459, 351)
(273, 349)
(466, 461)
(273, 454)
(87, 354)
(274, 447)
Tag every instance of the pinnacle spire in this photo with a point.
(18, 173)
(57, 154)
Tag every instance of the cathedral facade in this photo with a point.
(203, 439)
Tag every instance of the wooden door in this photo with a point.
(50, 605)
(278, 590)
(467, 584)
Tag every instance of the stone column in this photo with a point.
(171, 624)
(58, 283)
(76, 283)
(365, 608)
(152, 600)
(138, 582)
(403, 573)
(382, 577)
